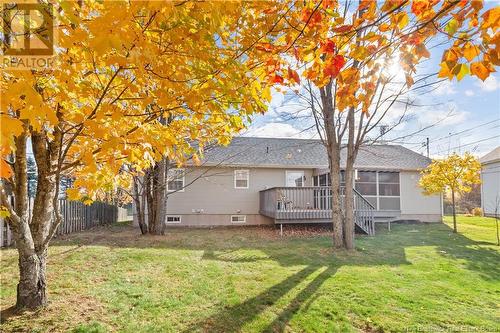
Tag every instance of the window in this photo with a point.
(238, 218)
(173, 219)
(323, 180)
(175, 180)
(295, 178)
(241, 178)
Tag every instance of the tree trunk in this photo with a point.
(32, 287)
(139, 206)
(155, 192)
(349, 183)
(454, 213)
(338, 232)
(498, 235)
(349, 208)
(148, 189)
(159, 191)
(333, 149)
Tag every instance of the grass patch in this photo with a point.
(416, 277)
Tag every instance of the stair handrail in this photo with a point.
(363, 198)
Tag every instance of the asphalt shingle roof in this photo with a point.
(274, 152)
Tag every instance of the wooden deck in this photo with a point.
(311, 205)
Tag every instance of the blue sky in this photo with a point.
(465, 116)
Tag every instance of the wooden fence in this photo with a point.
(76, 217)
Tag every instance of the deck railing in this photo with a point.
(311, 204)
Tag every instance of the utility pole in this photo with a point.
(427, 145)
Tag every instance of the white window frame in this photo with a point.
(247, 179)
(239, 222)
(173, 216)
(295, 171)
(183, 180)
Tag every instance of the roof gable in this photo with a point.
(492, 156)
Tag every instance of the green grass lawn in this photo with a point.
(415, 278)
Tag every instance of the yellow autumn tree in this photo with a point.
(120, 69)
(455, 173)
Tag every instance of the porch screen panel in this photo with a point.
(388, 190)
(366, 184)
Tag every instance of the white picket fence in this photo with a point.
(76, 217)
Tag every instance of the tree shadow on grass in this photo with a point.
(233, 318)
(8, 313)
(244, 246)
(479, 256)
(384, 250)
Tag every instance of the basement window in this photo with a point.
(238, 218)
(173, 219)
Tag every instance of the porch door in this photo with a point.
(295, 179)
(323, 196)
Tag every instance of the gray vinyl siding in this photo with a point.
(212, 190)
(210, 194)
(490, 188)
(414, 202)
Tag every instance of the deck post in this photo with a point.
(281, 229)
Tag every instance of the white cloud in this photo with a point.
(469, 92)
(279, 130)
(441, 117)
(444, 88)
(490, 84)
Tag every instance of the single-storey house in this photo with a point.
(490, 183)
(256, 181)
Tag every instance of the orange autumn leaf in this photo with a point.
(491, 18)
(293, 75)
(421, 51)
(267, 47)
(343, 28)
(328, 46)
(5, 169)
(470, 51)
(480, 70)
(276, 79)
(334, 66)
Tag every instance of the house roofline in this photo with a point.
(490, 161)
(274, 166)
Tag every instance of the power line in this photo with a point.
(472, 143)
(424, 143)
(465, 130)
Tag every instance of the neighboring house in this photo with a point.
(266, 180)
(490, 182)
